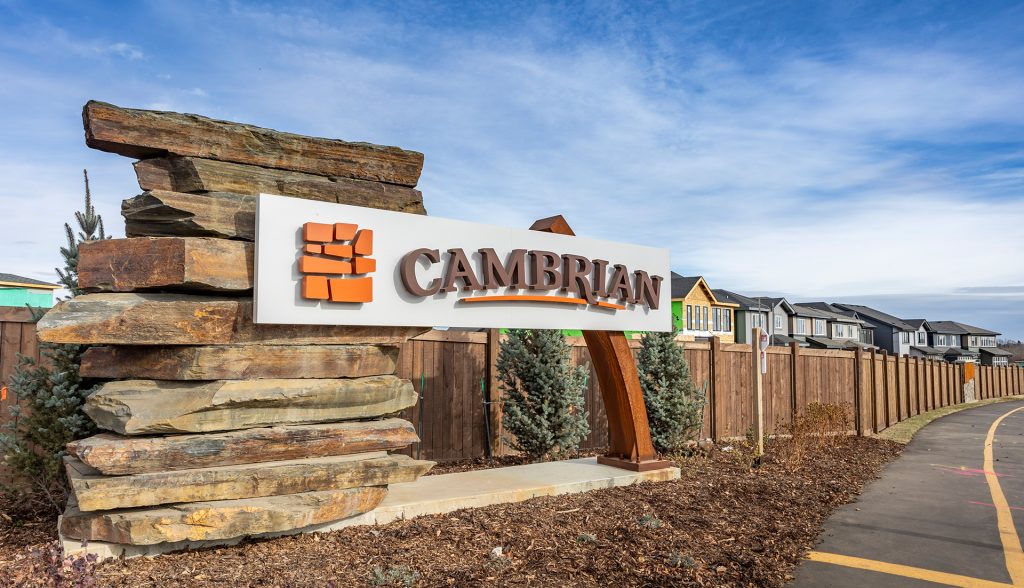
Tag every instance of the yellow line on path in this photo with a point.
(1004, 516)
(904, 571)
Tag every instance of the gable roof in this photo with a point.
(773, 302)
(16, 280)
(977, 330)
(878, 316)
(916, 323)
(945, 327)
(828, 311)
(826, 343)
(807, 311)
(957, 351)
(683, 285)
(739, 300)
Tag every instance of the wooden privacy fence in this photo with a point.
(453, 373)
(17, 335)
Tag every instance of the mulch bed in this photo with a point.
(723, 524)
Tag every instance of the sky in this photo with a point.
(867, 152)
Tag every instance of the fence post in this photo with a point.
(858, 363)
(794, 377)
(716, 409)
(758, 388)
(874, 393)
(885, 388)
(493, 391)
(900, 385)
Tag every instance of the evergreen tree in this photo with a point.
(52, 393)
(675, 407)
(544, 400)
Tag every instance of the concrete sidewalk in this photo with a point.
(439, 494)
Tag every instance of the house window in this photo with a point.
(705, 318)
(778, 323)
(689, 317)
(819, 326)
(727, 319)
(801, 326)
(905, 336)
(921, 335)
(716, 315)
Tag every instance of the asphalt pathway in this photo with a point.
(940, 515)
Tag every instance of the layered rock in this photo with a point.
(147, 133)
(117, 455)
(220, 519)
(238, 362)
(181, 319)
(151, 263)
(222, 427)
(190, 174)
(146, 407)
(95, 491)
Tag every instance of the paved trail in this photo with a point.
(948, 512)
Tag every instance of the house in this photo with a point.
(977, 338)
(19, 291)
(835, 328)
(779, 313)
(921, 348)
(697, 313)
(749, 313)
(806, 323)
(947, 337)
(891, 333)
(995, 356)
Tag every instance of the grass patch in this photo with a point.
(903, 432)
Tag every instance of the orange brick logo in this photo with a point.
(332, 256)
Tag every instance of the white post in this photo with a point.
(758, 355)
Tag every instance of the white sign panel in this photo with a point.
(321, 263)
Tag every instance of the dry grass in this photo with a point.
(903, 432)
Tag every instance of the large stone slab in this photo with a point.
(146, 407)
(174, 214)
(190, 174)
(149, 133)
(168, 263)
(238, 362)
(181, 319)
(218, 520)
(94, 491)
(115, 455)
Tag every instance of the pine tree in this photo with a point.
(675, 407)
(52, 394)
(544, 400)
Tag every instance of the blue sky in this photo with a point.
(869, 151)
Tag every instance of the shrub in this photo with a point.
(817, 427)
(53, 394)
(675, 407)
(544, 401)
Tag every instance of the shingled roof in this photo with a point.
(868, 313)
(14, 279)
(945, 327)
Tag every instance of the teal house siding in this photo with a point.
(23, 296)
(20, 291)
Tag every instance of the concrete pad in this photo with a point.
(434, 495)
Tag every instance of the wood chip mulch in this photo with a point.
(723, 524)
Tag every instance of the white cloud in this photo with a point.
(809, 175)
